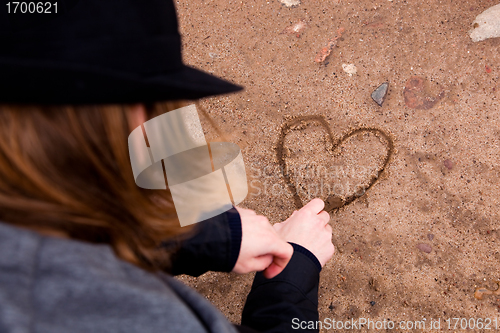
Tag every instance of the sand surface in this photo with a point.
(438, 191)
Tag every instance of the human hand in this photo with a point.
(309, 228)
(261, 247)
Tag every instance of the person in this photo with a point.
(82, 247)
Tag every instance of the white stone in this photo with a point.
(349, 69)
(487, 24)
(290, 3)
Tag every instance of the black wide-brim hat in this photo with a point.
(99, 52)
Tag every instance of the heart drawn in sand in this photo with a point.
(332, 201)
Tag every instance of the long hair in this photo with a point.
(66, 170)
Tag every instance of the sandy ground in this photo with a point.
(439, 188)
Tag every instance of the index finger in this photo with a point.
(315, 205)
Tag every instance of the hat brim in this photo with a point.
(35, 83)
(197, 83)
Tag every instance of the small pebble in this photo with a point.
(350, 69)
(378, 95)
(372, 303)
(331, 307)
(448, 164)
(296, 28)
(424, 247)
(430, 236)
(290, 3)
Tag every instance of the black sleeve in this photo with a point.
(272, 304)
(244, 329)
(214, 246)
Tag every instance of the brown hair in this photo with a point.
(66, 170)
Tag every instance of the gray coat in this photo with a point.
(50, 284)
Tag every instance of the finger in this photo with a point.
(277, 266)
(315, 205)
(260, 263)
(324, 216)
(272, 270)
(281, 249)
(282, 254)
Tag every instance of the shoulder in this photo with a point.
(61, 285)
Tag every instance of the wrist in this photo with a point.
(307, 253)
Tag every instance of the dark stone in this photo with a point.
(430, 236)
(372, 303)
(379, 94)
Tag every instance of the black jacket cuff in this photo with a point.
(236, 232)
(307, 253)
(272, 304)
(214, 246)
